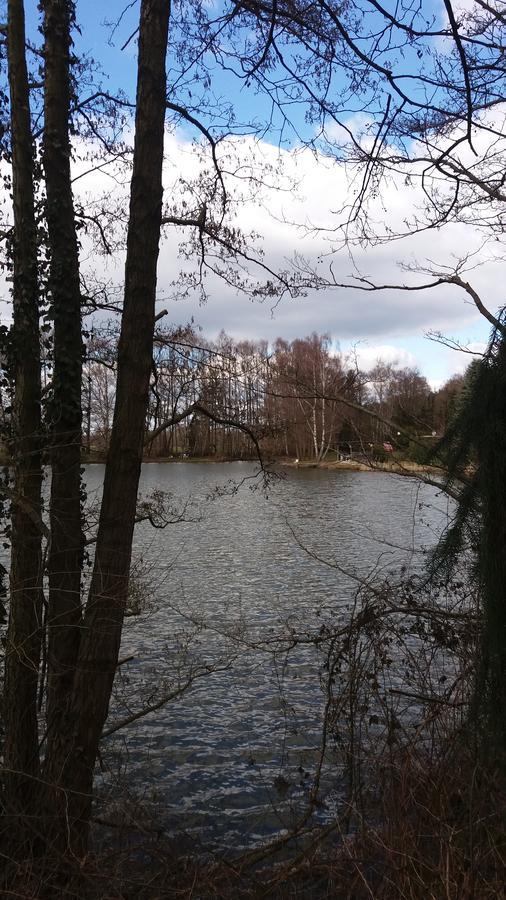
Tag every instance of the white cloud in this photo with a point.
(367, 356)
(464, 6)
(323, 188)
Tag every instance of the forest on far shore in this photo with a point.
(299, 398)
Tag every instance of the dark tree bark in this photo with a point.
(65, 555)
(21, 754)
(72, 752)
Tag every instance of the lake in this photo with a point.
(231, 760)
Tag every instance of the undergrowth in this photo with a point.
(422, 811)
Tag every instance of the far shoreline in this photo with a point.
(395, 466)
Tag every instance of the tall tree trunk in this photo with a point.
(66, 416)
(21, 754)
(73, 753)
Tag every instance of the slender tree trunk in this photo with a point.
(21, 754)
(74, 752)
(66, 416)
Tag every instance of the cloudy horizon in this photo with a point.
(391, 324)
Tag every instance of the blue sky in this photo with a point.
(96, 20)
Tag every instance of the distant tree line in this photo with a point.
(301, 398)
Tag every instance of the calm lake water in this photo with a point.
(231, 759)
